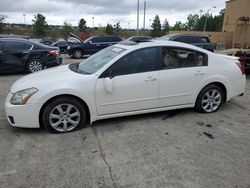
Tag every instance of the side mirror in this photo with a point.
(90, 42)
(108, 85)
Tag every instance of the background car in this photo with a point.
(62, 45)
(202, 41)
(91, 45)
(19, 55)
(125, 80)
(139, 39)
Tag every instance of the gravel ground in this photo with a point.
(168, 149)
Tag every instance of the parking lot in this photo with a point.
(169, 149)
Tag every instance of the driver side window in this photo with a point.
(143, 60)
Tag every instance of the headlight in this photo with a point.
(21, 97)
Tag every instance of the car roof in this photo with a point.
(193, 35)
(155, 43)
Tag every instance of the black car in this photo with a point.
(19, 55)
(62, 45)
(139, 39)
(244, 58)
(202, 41)
(91, 45)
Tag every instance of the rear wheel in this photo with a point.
(34, 65)
(64, 114)
(78, 54)
(210, 99)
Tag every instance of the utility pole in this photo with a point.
(205, 25)
(137, 32)
(145, 4)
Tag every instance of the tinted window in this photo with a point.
(12, 46)
(95, 39)
(181, 58)
(188, 39)
(143, 60)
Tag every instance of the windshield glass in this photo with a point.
(98, 60)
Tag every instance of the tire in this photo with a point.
(34, 65)
(210, 99)
(64, 114)
(77, 53)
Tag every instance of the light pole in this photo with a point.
(24, 18)
(93, 21)
(128, 26)
(137, 31)
(205, 25)
(145, 5)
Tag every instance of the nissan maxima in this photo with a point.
(121, 80)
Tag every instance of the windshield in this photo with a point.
(98, 60)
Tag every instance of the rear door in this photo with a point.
(15, 55)
(183, 72)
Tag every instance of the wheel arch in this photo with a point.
(220, 84)
(88, 120)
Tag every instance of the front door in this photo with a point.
(134, 80)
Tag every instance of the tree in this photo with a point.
(192, 21)
(165, 27)
(40, 26)
(82, 25)
(109, 29)
(117, 28)
(179, 26)
(156, 27)
(2, 18)
(67, 28)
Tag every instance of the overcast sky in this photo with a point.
(105, 11)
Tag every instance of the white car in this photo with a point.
(124, 79)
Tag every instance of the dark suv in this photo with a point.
(91, 45)
(202, 41)
(19, 55)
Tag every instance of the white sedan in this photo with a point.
(124, 79)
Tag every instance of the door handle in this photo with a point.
(199, 73)
(148, 79)
(98, 45)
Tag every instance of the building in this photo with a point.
(237, 20)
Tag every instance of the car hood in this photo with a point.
(45, 78)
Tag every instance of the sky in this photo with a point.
(101, 12)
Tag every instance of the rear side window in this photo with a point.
(188, 39)
(13, 46)
(115, 39)
(174, 58)
(143, 60)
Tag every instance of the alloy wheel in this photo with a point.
(64, 117)
(211, 100)
(35, 66)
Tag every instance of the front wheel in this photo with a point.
(64, 114)
(210, 99)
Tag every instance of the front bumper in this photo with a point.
(24, 116)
